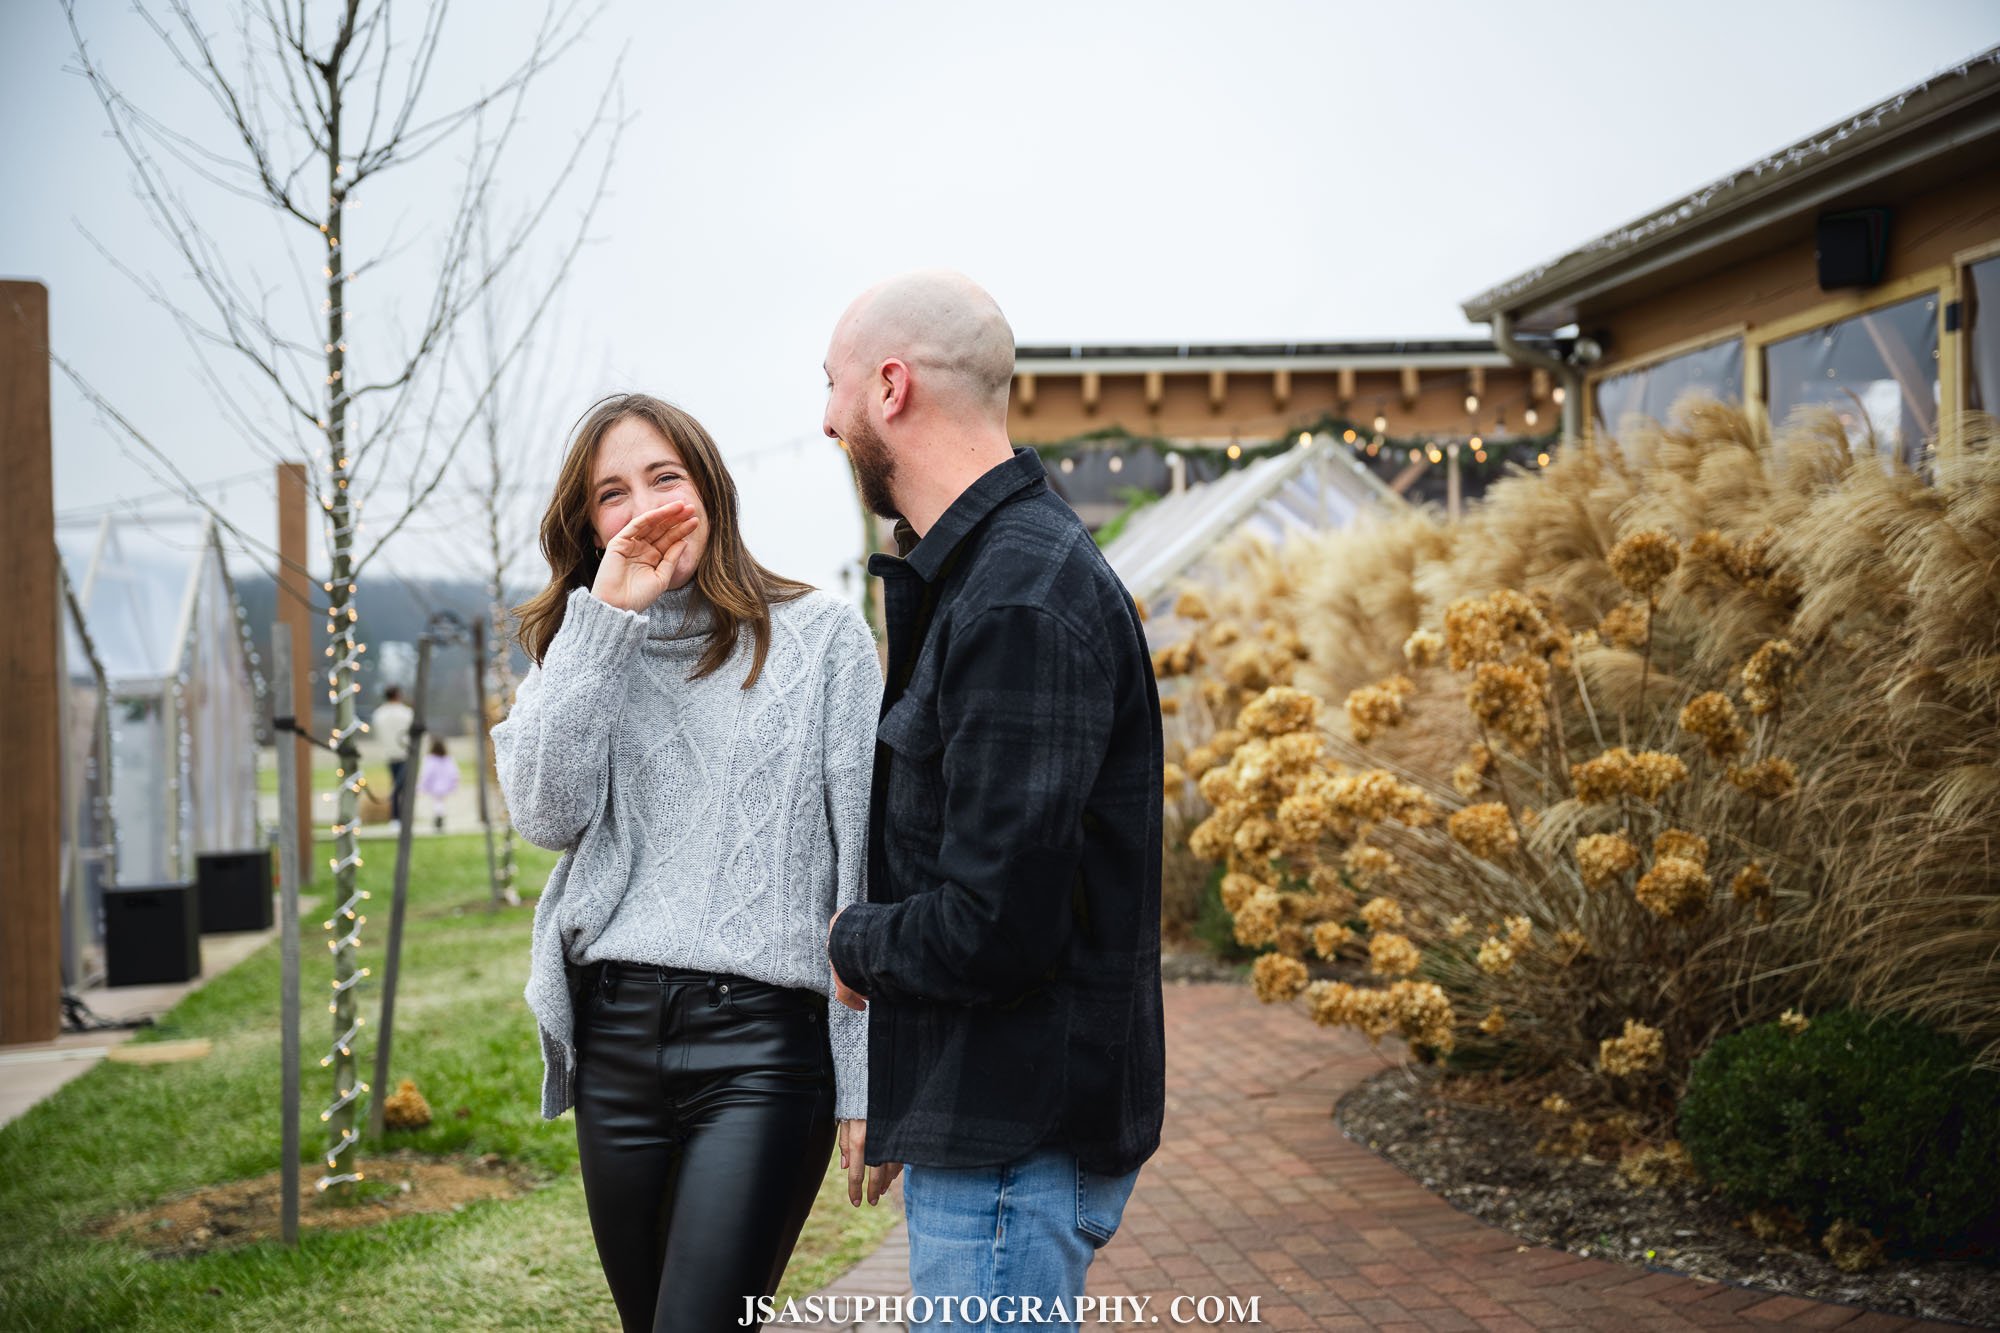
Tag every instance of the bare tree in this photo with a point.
(308, 111)
(511, 420)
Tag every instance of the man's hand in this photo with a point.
(854, 1160)
(640, 560)
(843, 992)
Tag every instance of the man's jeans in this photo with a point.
(1025, 1232)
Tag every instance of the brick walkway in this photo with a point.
(1255, 1192)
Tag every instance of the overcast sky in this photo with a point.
(1146, 171)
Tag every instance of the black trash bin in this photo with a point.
(235, 890)
(152, 934)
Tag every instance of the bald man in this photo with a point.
(1009, 949)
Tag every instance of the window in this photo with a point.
(1878, 372)
(1653, 391)
(1982, 324)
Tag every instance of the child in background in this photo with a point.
(438, 779)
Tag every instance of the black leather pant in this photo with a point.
(704, 1120)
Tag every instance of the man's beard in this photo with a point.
(874, 468)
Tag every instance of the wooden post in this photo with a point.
(31, 813)
(295, 601)
(392, 954)
(289, 862)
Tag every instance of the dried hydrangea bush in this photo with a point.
(1660, 741)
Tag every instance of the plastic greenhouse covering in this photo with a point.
(88, 851)
(1311, 487)
(185, 697)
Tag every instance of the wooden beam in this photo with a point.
(1156, 389)
(1410, 386)
(1218, 389)
(1281, 387)
(1538, 385)
(1345, 390)
(1092, 383)
(31, 813)
(1024, 392)
(296, 600)
(1475, 380)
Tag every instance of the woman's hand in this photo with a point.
(853, 1157)
(638, 563)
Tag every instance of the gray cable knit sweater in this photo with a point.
(702, 825)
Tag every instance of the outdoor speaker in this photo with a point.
(1852, 247)
(235, 890)
(152, 934)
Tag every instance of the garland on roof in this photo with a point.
(1364, 440)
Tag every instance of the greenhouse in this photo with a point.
(1311, 487)
(89, 856)
(184, 694)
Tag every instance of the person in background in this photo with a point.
(438, 779)
(390, 726)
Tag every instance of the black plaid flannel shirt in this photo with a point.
(1010, 943)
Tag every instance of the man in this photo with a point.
(390, 725)
(1009, 945)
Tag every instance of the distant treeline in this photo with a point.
(394, 611)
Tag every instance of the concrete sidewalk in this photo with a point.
(1256, 1193)
(32, 1071)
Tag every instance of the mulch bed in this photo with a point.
(1480, 1153)
(241, 1212)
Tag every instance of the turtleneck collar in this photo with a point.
(680, 614)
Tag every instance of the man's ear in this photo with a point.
(894, 387)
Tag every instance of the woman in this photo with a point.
(696, 737)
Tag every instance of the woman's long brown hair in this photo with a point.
(740, 590)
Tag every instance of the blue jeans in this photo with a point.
(1025, 1231)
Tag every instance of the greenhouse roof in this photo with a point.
(1311, 487)
(137, 581)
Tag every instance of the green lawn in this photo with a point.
(126, 1135)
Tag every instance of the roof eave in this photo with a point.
(1917, 124)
